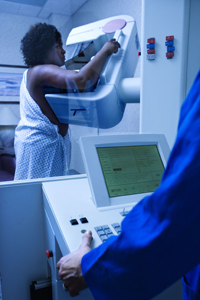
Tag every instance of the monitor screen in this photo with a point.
(123, 169)
(130, 170)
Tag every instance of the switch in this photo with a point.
(151, 51)
(169, 54)
(83, 220)
(74, 222)
(49, 253)
(170, 46)
(151, 48)
(151, 41)
(169, 43)
(170, 38)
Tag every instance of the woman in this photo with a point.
(42, 143)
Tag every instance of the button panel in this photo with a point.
(104, 232)
(117, 227)
(151, 48)
(170, 46)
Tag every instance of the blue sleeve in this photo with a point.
(159, 241)
(191, 284)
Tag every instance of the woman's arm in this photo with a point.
(55, 76)
(91, 71)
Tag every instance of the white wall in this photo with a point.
(14, 27)
(163, 86)
(166, 82)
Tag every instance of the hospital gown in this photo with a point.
(40, 150)
(160, 237)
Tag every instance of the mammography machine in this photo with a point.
(103, 105)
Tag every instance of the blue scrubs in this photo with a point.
(160, 238)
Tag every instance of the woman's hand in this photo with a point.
(111, 46)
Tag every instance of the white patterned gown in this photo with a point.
(39, 148)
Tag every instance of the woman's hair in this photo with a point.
(37, 42)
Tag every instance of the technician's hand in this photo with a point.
(69, 267)
(111, 46)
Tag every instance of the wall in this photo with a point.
(93, 10)
(13, 28)
(163, 86)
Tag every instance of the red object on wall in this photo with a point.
(169, 54)
(151, 41)
(170, 38)
(151, 51)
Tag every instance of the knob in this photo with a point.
(49, 253)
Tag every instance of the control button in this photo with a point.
(103, 238)
(170, 54)
(108, 231)
(98, 228)
(151, 41)
(170, 38)
(101, 232)
(118, 230)
(110, 234)
(83, 230)
(115, 225)
(151, 51)
(83, 220)
(104, 227)
(150, 46)
(74, 222)
(169, 43)
(49, 253)
(170, 48)
(150, 56)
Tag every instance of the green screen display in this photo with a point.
(131, 170)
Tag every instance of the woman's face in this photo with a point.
(56, 55)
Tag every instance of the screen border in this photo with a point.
(93, 169)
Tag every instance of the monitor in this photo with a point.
(122, 169)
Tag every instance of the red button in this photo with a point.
(49, 253)
(151, 51)
(151, 41)
(170, 54)
(169, 38)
